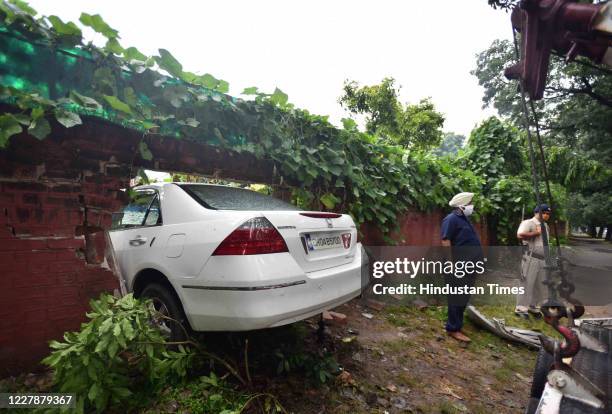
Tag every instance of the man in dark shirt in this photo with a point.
(458, 233)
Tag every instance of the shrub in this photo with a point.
(118, 357)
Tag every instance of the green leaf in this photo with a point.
(349, 124)
(329, 200)
(192, 122)
(24, 6)
(113, 348)
(99, 25)
(67, 118)
(145, 152)
(223, 86)
(167, 62)
(131, 53)
(279, 97)
(9, 126)
(64, 29)
(39, 128)
(127, 329)
(149, 350)
(117, 329)
(253, 90)
(85, 101)
(93, 391)
(113, 46)
(117, 104)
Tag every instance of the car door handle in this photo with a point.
(138, 241)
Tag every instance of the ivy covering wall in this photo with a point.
(46, 70)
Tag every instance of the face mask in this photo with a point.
(468, 210)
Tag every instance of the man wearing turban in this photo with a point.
(458, 233)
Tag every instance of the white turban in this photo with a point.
(461, 199)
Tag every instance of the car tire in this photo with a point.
(165, 301)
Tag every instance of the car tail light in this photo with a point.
(255, 236)
(321, 215)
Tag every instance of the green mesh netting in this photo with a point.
(52, 71)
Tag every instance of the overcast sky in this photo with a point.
(309, 48)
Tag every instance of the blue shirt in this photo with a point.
(457, 229)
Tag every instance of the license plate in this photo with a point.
(327, 241)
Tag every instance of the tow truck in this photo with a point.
(574, 374)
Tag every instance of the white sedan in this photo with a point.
(230, 259)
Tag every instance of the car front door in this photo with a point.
(135, 233)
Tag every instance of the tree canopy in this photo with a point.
(417, 126)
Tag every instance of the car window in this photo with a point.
(134, 213)
(153, 215)
(231, 198)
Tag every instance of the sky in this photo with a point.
(309, 48)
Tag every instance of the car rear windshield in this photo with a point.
(231, 198)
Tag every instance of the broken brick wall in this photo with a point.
(46, 207)
(57, 197)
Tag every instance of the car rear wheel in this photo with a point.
(169, 316)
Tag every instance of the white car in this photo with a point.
(231, 259)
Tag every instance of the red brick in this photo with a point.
(65, 312)
(65, 243)
(30, 305)
(65, 267)
(37, 256)
(31, 293)
(66, 255)
(31, 198)
(7, 336)
(68, 279)
(33, 279)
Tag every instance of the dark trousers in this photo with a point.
(457, 303)
(454, 322)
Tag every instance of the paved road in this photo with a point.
(592, 271)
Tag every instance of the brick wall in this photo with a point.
(57, 196)
(417, 228)
(45, 281)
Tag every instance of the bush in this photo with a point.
(118, 357)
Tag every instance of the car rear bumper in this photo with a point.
(265, 291)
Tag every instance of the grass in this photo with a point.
(506, 312)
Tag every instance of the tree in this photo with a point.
(451, 144)
(416, 126)
(575, 119)
(495, 152)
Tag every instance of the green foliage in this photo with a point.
(594, 209)
(451, 145)
(318, 368)
(117, 358)
(493, 151)
(331, 168)
(207, 394)
(412, 126)
(575, 119)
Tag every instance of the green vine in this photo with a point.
(336, 168)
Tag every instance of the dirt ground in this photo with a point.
(400, 360)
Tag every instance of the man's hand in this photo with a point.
(530, 234)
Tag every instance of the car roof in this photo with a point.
(162, 184)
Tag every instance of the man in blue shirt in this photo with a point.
(458, 233)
